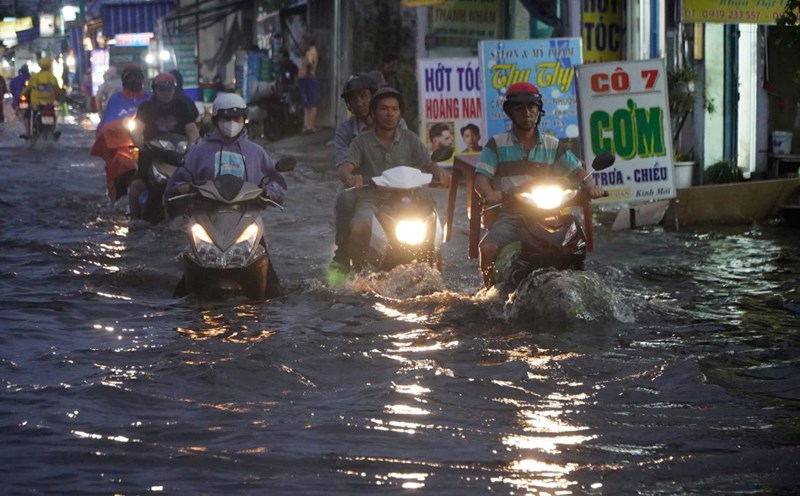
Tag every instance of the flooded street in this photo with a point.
(670, 366)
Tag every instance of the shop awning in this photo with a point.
(131, 16)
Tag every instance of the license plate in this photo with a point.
(23, 105)
(48, 119)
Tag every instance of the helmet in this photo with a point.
(229, 105)
(45, 64)
(523, 92)
(385, 92)
(358, 82)
(132, 70)
(164, 80)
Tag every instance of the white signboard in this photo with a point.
(450, 107)
(623, 109)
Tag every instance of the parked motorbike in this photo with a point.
(551, 235)
(167, 151)
(115, 146)
(406, 228)
(227, 251)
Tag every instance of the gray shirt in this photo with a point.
(371, 158)
(346, 131)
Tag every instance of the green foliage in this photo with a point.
(790, 20)
(681, 88)
(379, 31)
(723, 172)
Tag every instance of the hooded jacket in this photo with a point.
(242, 158)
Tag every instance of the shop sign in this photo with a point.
(449, 95)
(410, 4)
(601, 30)
(133, 39)
(624, 110)
(548, 64)
(463, 23)
(732, 12)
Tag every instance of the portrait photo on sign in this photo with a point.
(441, 140)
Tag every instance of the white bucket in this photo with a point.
(683, 174)
(781, 142)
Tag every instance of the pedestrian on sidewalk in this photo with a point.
(309, 84)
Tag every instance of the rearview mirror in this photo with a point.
(286, 164)
(603, 161)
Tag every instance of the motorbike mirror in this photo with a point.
(441, 154)
(286, 164)
(603, 161)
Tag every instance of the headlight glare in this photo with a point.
(411, 232)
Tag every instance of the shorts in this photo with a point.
(309, 91)
(367, 204)
(506, 230)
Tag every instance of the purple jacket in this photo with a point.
(242, 158)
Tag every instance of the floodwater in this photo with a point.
(669, 367)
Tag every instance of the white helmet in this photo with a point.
(229, 105)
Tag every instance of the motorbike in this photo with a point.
(406, 228)
(227, 253)
(115, 146)
(167, 151)
(42, 123)
(552, 235)
(22, 108)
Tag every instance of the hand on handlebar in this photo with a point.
(356, 181)
(596, 191)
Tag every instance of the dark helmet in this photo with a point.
(164, 80)
(132, 70)
(385, 92)
(358, 82)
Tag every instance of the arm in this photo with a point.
(192, 133)
(348, 178)
(272, 181)
(483, 186)
(341, 143)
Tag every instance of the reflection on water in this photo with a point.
(663, 369)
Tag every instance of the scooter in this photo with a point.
(115, 146)
(42, 123)
(227, 253)
(406, 228)
(551, 235)
(167, 151)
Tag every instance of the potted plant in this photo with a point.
(681, 91)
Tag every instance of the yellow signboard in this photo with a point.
(732, 11)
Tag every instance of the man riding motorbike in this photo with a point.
(513, 158)
(161, 115)
(113, 142)
(125, 102)
(228, 150)
(17, 84)
(375, 151)
(42, 89)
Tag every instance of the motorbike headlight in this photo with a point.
(548, 196)
(411, 232)
(182, 147)
(236, 256)
(130, 124)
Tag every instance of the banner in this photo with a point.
(463, 23)
(549, 64)
(725, 11)
(450, 107)
(624, 110)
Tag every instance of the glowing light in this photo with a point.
(405, 410)
(164, 55)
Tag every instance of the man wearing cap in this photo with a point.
(514, 158)
(163, 114)
(125, 102)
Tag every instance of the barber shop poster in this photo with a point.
(450, 107)
(624, 110)
(548, 64)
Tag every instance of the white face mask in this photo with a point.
(231, 128)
